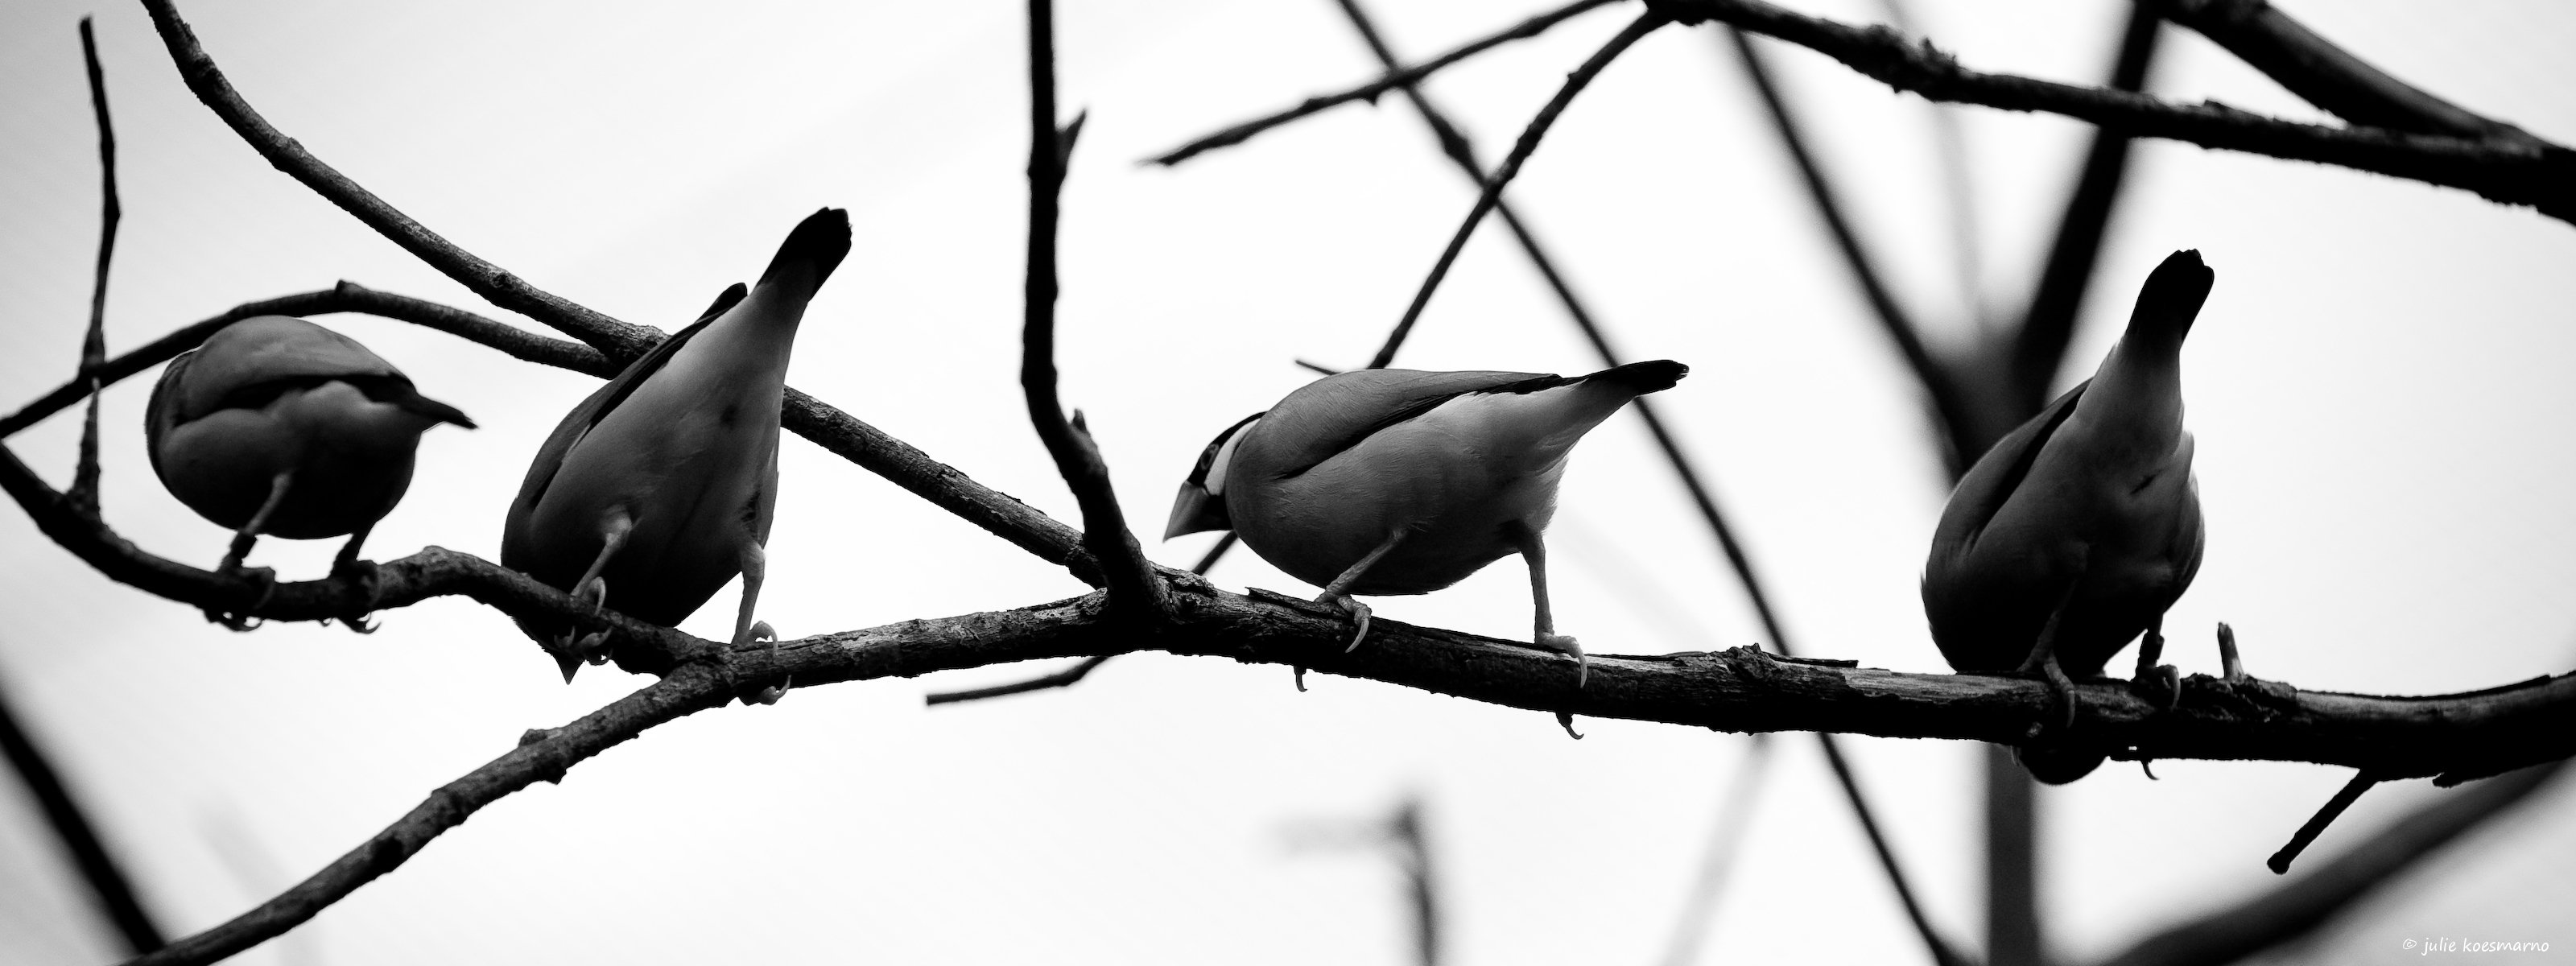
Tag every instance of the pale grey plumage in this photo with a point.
(660, 487)
(1390, 481)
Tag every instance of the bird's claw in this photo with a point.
(1565, 720)
(2061, 687)
(1359, 613)
(592, 592)
(363, 573)
(761, 631)
(2160, 685)
(265, 577)
(1566, 644)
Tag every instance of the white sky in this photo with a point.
(2378, 386)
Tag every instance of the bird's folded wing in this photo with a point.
(1335, 413)
(1981, 493)
(600, 403)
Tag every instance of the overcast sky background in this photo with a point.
(2378, 384)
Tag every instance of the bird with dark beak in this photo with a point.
(1395, 481)
(279, 427)
(659, 488)
(2080, 528)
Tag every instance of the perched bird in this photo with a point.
(2078, 529)
(659, 488)
(1394, 481)
(276, 426)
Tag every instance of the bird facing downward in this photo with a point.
(2080, 528)
(1394, 481)
(659, 488)
(280, 427)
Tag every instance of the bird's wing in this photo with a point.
(1981, 493)
(1335, 413)
(600, 403)
(161, 415)
(253, 361)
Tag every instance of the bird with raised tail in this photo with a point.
(2080, 528)
(1395, 481)
(660, 487)
(279, 427)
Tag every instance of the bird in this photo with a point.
(275, 426)
(1399, 481)
(661, 486)
(2079, 529)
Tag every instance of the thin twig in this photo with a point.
(1061, 679)
(1510, 168)
(2048, 325)
(1959, 186)
(107, 879)
(2329, 77)
(1461, 151)
(1133, 585)
(1948, 406)
(694, 688)
(1394, 78)
(2298, 907)
(2542, 176)
(84, 491)
(2316, 825)
(481, 277)
(1072, 675)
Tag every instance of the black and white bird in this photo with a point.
(2080, 528)
(660, 487)
(279, 427)
(1395, 481)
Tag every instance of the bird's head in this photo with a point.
(1201, 503)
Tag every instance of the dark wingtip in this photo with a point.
(1645, 377)
(819, 242)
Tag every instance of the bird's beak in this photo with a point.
(1195, 509)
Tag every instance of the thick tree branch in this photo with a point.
(1133, 585)
(1396, 77)
(2453, 737)
(2329, 77)
(831, 428)
(1511, 167)
(2542, 176)
(1743, 689)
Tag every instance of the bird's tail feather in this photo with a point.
(1640, 378)
(817, 244)
(2173, 294)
